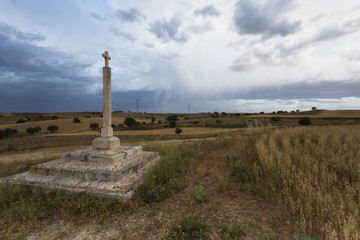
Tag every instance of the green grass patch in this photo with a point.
(189, 228)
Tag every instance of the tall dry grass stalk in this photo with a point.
(315, 173)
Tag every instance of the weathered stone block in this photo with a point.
(102, 143)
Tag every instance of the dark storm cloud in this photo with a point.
(15, 34)
(34, 78)
(131, 15)
(30, 61)
(208, 10)
(265, 20)
(168, 30)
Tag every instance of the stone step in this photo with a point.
(94, 171)
(92, 155)
(122, 189)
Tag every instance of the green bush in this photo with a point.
(94, 126)
(276, 119)
(189, 228)
(178, 131)
(129, 121)
(22, 120)
(172, 124)
(54, 117)
(52, 128)
(305, 121)
(8, 132)
(195, 122)
(172, 118)
(33, 130)
(76, 120)
(200, 196)
(240, 171)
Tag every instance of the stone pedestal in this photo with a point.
(103, 143)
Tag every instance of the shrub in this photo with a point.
(172, 118)
(52, 128)
(178, 131)
(223, 113)
(120, 125)
(195, 122)
(172, 124)
(200, 196)
(94, 126)
(240, 171)
(54, 117)
(313, 108)
(189, 228)
(8, 132)
(305, 121)
(33, 130)
(276, 119)
(261, 112)
(22, 120)
(76, 120)
(152, 119)
(129, 121)
(113, 125)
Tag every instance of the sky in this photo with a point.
(180, 56)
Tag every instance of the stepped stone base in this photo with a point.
(113, 171)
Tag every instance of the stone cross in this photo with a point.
(106, 130)
(107, 58)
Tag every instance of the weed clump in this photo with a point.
(189, 228)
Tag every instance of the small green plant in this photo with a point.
(200, 196)
(94, 126)
(76, 120)
(235, 233)
(305, 121)
(178, 131)
(240, 171)
(52, 128)
(309, 237)
(189, 228)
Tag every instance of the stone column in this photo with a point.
(106, 130)
(107, 141)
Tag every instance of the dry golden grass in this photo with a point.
(315, 173)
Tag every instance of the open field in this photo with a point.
(263, 180)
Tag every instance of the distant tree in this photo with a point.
(172, 118)
(21, 120)
(273, 112)
(276, 119)
(129, 121)
(6, 133)
(261, 112)
(223, 113)
(178, 131)
(54, 117)
(313, 108)
(33, 130)
(120, 125)
(216, 113)
(160, 121)
(76, 120)
(153, 119)
(172, 123)
(195, 122)
(297, 110)
(237, 114)
(94, 126)
(52, 128)
(113, 125)
(305, 121)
